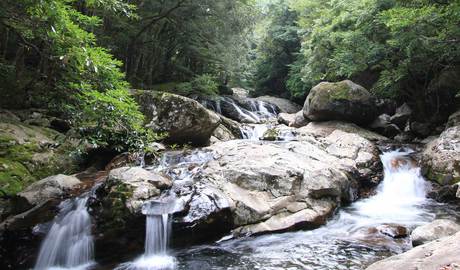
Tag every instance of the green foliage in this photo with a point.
(57, 42)
(176, 40)
(202, 84)
(399, 49)
(276, 50)
(112, 119)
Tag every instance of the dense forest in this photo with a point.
(69, 56)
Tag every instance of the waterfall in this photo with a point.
(245, 114)
(69, 243)
(157, 234)
(401, 193)
(253, 132)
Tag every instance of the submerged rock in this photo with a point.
(343, 100)
(393, 230)
(436, 255)
(183, 119)
(435, 230)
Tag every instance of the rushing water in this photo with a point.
(68, 244)
(158, 231)
(351, 240)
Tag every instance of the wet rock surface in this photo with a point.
(285, 105)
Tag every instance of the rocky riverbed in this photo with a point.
(278, 188)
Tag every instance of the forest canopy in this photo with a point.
(80, 58)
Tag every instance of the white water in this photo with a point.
(253, 132)
(158, 231)
(350, 241)
(68, 244)
(401, 194)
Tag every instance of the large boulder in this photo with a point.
(343, 100)
(53, 187)
(183, 119)
(285, 105)
(441, 157)
(269, 187)
(437, 255)
(432, 231)
(29, 153)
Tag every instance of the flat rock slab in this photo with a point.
(442, 254)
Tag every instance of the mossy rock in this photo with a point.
(183, 119)
(343, 100)
(29, 153)
(271, 134)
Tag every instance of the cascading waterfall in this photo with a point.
(401, 194)
(69, 243)
(157, 234)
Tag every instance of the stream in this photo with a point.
(355, 237)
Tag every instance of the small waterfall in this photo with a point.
(158, 231)
(68, 244)
(157, 234)
(245, 114)
(253, 132)
(401, 193)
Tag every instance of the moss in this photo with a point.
(29, 161)
(116, 213)
(340, 91)
(14, 176)
(271, 134)
(441, 178)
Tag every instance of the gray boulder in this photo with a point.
(383, 125)
(295, 120)
(343, 100)
(402, 115)
(286, 118)
(184, 119)
(53, 187)
(439, 254)
(441, 157)
(435, 230)
(139, 184)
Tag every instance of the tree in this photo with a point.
(56, 63)
(277, 50)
